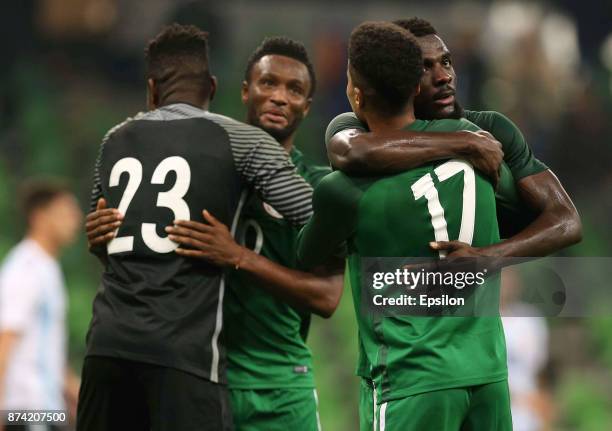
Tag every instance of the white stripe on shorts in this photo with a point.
(374, 395)
(383, 411)
(316, 397)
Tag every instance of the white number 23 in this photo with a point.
(172, 199)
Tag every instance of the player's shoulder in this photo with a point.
(233, 126)
(122, 126)
(450, 125)
(335, 179)
(345, 116)
(245, 138)
(337, 188)
(344, 121)
(491, 120)
(24, 261)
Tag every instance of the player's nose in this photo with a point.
(441, 76)
(279, 96)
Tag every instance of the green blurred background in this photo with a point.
(71, 69)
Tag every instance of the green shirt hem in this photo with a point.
(459, 383)
(274, 385)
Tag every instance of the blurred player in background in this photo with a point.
(155, 356)
(425, 373)
(527, 342)
(33, 348)
(269, 364)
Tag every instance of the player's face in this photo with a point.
(277, 97)
(63, 219)
(437, 97)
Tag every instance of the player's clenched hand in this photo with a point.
(456, 256)
(456, 249)
(102, 224)
(211, 241)
(485, 154)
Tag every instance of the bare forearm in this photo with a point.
(392, 151)
(548, 233)
(556, 226)
(318, 294)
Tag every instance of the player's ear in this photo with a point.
(359, 99)
(307, 107)
(213, 87)
(244, 92)
(152, 95)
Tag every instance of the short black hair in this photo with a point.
(281, 45)
(388, 64)
(179, 55)
(417, 26)
(37, 193)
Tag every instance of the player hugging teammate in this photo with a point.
(175, 277)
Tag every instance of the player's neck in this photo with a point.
(377, 122)
(287, 143)
(188, 99)
(44, 241)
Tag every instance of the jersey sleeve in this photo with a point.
(345, 121)
(334, 220)
(19, 293)
(263, 163)
(517, 154)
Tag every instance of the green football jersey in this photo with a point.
(517, 154)
(519, 162)
(512, 215)
(265, 337)
(395, 216)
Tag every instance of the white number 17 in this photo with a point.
(425, 187)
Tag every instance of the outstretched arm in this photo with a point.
(555, 222)
(368, 153)
(318, 292)
(354, 150)
(556, 226)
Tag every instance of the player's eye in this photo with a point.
(446, 62)
(267, 82)
(296, 90)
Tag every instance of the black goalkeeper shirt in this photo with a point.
(153, 305)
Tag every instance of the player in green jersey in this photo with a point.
(545, 219)
(540, 219)
(269, 365)
(428, 373)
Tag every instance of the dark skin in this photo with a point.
(556, 224)
(277, 98)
